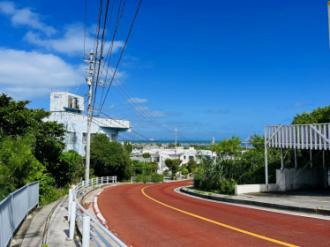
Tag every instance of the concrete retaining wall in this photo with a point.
(254, 188)
(301, 178)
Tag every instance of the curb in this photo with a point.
(230, 199)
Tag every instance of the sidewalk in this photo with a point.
(58, 230)
(304, 202)
(47, 224)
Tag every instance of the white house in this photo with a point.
(68, 109)
(160, 154)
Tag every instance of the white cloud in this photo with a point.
(137, 100)
(34, 74)
(25, 17)
(71, 43)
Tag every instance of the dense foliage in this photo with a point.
(32, 149)
(109, 158)
(210, 177)
(235, 165)
(319, 115)
(146, 172)
(173, 166)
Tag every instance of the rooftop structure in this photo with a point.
(67, 109)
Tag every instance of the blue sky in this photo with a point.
(207, 68)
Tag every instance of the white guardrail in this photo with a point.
(14, 208)
(93, 232)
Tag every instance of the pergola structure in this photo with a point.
(296, 137)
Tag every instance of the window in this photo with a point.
(84, 138)
(73, 103)
(71, 137)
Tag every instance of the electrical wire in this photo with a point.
(122, 52)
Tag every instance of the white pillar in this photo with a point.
(69, 204)
(86, 231)
(72, 220)
(266, 161)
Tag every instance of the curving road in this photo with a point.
(155, 215)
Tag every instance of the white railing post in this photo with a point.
(72, 220)
(86, 231)
(69, 204)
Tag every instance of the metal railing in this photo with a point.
(14, 208)
(93, 232)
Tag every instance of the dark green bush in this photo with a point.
(227, 186)
(153, 178)
(157, 178)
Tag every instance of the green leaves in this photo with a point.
(173, 166)
(228, 147)
(18, 166)
(109, 158)
(319, 115)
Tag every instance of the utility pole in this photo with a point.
(89, 80)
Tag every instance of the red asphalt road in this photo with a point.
(140, 221)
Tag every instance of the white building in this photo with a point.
(68, 109)
(160, 154)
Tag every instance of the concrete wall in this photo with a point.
(254, 188)
(301, 178)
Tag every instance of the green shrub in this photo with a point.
(157, 178)
(48, 191)
(153, 177)
(227, 186)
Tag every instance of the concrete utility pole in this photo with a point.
(89, 80)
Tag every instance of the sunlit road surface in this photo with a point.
(155, 215)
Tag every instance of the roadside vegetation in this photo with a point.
(236, 165)
(33, 150)
(146, 171)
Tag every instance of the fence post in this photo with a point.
(86, 231)
(72, 220)
(69, 204)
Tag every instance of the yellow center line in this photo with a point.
(217, 222)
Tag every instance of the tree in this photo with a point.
(173, 166)
(319, 115)
(18, 166)
(17, 120)
(109, 158)
(69, 169)
(228, 147)
(191, 166)
(146, 155)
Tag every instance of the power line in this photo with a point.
(85, 25)
(101, 49)
(122, 52)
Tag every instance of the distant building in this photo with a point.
(68, 109)
(160, 154)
